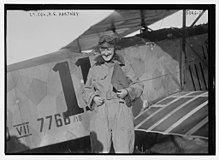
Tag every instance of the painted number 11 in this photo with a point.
(67, 84)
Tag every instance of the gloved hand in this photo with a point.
(98, 100)
(122, 93)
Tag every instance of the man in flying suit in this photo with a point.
(111, 114)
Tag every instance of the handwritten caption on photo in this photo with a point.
(53, 13)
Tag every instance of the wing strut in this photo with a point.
(197, 18)
(145, 28)
(113, 28)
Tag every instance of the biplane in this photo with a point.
(45, 112)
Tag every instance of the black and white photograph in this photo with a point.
(109, 79)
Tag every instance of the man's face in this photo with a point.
(107, 53)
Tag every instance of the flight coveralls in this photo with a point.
(113, 120)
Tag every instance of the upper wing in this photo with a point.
(123, 22)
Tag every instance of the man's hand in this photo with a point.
(98, 101)
(122, 93)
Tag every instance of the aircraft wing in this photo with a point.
(184, 113)
(123, 22)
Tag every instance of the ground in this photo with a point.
(146, 143)
(153, 143)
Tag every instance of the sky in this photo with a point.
(32, 34)
(35, 33)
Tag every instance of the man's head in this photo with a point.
(107, 47)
